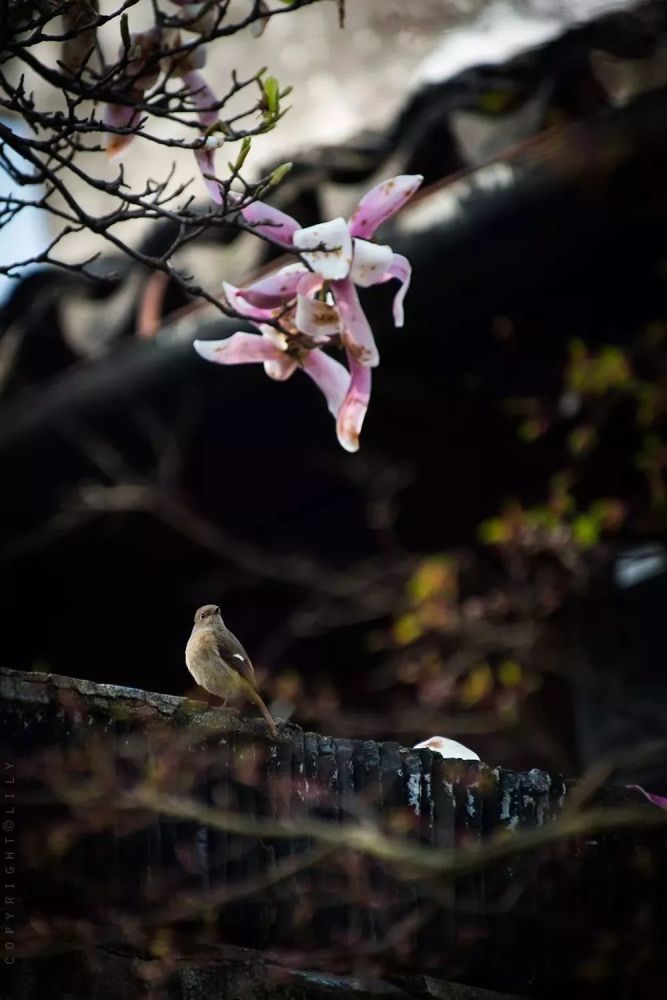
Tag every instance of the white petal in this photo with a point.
(281, 370)
(316, 319)
(334, 258)
(275, 336)
(451, 749)
(215, 141)
(369, 263)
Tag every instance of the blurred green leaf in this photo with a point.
(530, 430)
(406, 629)
(510, 673)
(477, 685)
(582, 440)
(495, 531)
(586, 530)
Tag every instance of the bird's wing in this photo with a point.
(233, 653)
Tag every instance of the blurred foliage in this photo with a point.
(472, 629)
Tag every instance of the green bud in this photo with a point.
(279, 173)
(271, 95)
(243, 152)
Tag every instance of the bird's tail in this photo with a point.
(257, 698)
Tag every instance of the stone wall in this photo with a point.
(228, 853)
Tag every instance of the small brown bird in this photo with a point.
(219, 663)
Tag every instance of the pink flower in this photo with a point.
(299, 313)
(341, 254)
(141, 73)
(146, 46)
(315, 302)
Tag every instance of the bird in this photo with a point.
(219, 663)
(447, 748)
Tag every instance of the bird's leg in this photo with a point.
(222, 707)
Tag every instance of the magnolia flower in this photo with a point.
(312, 317)
(447, 748)
(341, 254)
(142, 71)
(315, 300)
(317, 320)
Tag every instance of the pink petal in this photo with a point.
(206, 162)
(330, 376)
(658, 800)
(352, 412)
(202, 98)
(357, 334)
(310, 283)
(239, 349)
(381, 202)
(327, 248)
(399, 268)
(271, 222)
(276, 289)
(119, 116)
(240, 305)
